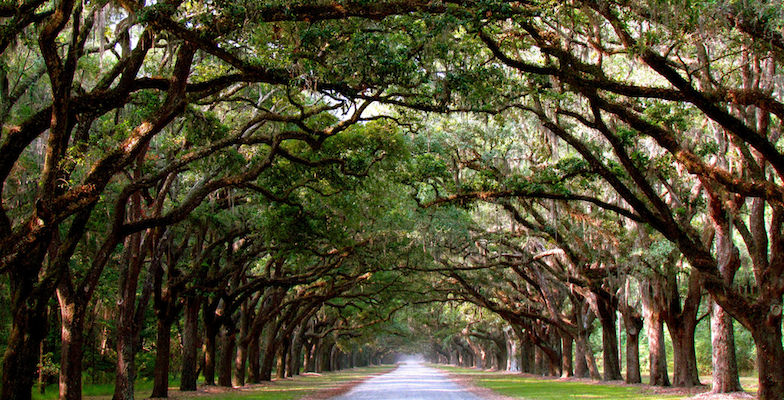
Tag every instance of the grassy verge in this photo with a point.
(528, 387)
(285, 389)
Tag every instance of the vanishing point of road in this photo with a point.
(410, 381)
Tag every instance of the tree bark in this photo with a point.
(71, 347)
(725, 365)
(254, 353)
(160, 388)
(607, 317)
(654, 326)
(657, 351)
(633, 326)
(190, 343)
(685, 358)
(567, 369)
(28, 329)
(226, 356)
(211, 328)
(268, 358)
(282, 356)
(770, 356)
(241, 355)
(682, 323)
(512, 351)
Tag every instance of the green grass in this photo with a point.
(286, 389)
(527, 387)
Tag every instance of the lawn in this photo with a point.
(533, 388)
(285, 389)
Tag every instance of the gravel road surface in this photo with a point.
(410, 381)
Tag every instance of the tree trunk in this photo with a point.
(633, 326)
(725, 365)
(21, 357)
(658, 353)
(724, 362)
(28, 329)
(240, 361)
(513, 356)
(125, 374)
(254, 353)
(295, 352)
(770, 355)
(566, 357)
(71, 348)
(283, 352)
(268, 359)
(208, 348)
(580, 365)
(334, 358)
(527, 355)
(160, 386)
(227, 356)
(607, 317)
(654, 326)
(685, 358)
(190, 343)
(318, 360)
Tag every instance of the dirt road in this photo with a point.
(411, 381)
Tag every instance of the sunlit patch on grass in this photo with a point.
(526, 387)
(285, 389)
